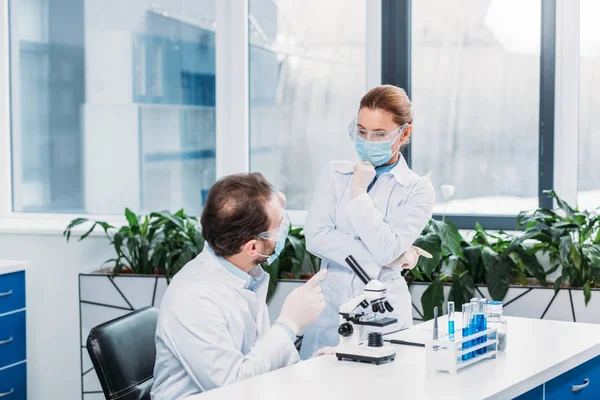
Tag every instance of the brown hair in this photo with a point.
(235, 212)
(391, 99)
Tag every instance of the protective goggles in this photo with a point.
(357, 133)
(275, 234)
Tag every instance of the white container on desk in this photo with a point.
(446, 354)
(13, 351)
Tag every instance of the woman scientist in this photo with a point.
(373, 210)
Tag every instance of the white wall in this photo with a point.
(53, 370)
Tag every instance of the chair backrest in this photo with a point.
(123, 354)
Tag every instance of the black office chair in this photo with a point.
(123, 353)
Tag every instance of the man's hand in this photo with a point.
(364, 173)
(304, 304)
(325, 351)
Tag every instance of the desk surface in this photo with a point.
(8, 266)
(538, 350)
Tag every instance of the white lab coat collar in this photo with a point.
(210, 261)
(401, 171)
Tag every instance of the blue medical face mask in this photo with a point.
(377, 153)
(281, 238)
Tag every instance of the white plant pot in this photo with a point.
(529, 302)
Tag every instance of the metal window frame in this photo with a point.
(396, 70)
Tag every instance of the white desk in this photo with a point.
(538, 351)
(6, 266)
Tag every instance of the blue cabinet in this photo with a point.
(580, 383)
(13, 355)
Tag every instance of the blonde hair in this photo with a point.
(391, 99)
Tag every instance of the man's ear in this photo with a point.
(251, 248)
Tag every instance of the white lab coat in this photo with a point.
(376, 228)
(212, 332)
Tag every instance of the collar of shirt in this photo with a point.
(255, 275)
(400, 170)
(385, 168)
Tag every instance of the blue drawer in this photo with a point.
(561, 387)
(12, 339)
(12, 291)
(13, 383)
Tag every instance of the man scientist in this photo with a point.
(213, 328)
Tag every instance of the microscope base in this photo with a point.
(365, 354)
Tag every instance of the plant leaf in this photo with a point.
(565, 248)
(131, 218)
(531, 264)
(432, 244)
(558, 283)
(592, 252)
(462, 289)
(450, 236)
(498, 273)
(587, 293)
(563, 205)
(72, 224)
(432, 297)
(85, 235)
(575, 257)
(552, 270)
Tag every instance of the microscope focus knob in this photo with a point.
(346, 329)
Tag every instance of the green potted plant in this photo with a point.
(508, 267)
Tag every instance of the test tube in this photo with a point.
(474, 325)
(483, 327)
(451, 320)
(466, 326)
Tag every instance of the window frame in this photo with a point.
(560, 24)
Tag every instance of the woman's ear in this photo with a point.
(405, 135)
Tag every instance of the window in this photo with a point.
(589, 104)
(114, 108)
(307, 76)
(475, 91)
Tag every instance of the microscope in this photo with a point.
(360, 313)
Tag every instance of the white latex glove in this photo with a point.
(409, 259)
(364, 173)
(325, 351)
(304, 304)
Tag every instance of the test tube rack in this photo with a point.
(446, 353)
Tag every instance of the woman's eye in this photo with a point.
(381, 134)
(362, 132)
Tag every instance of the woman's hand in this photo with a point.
(409, 259)
(364, 173)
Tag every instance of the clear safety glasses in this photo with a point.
(357, 133)
(275, 234)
